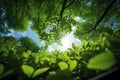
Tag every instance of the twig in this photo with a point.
(39, 6)
(70, 3)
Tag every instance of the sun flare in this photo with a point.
(66, 42)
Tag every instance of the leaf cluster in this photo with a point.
(79, 62)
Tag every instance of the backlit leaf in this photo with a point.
(40, 71)
(25, 55)
(28, 70)
(73, 65)
(103, 61)
(63, 65)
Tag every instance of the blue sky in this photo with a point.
(29, 33)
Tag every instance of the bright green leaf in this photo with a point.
(63, 65)
(25, 55)
(1, 68)
(52, 73)
(28, 70)
(103, 61)
(73, 65)
(40, 71)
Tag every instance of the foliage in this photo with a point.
(77, 63)
(28, 44)
(2, 75)
(29, 71)
(98, 29)
(57, 15)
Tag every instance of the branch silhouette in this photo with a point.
(102, 16)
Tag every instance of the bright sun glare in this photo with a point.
(66, 42)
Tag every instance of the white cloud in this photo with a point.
(79, 19)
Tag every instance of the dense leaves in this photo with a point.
(77, 63)
(97, 24)
(57, 15)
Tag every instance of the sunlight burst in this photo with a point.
(66, 41)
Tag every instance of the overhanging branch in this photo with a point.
(65, 6)
(102, 16)
(39, 6)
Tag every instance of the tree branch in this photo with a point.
(58, 6)
(103, 15)
(39, 6)
(63, 8)
(70, 3)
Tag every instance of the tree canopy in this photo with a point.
(59, 16)
(97, 24)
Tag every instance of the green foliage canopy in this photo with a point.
(61, 13)
(98, 28)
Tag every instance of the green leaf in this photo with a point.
(28, 70)
(103, 61)
(6, 73)
(73, 65)
(63, 65)
(1, 68)
(26, 55)
(40, 71)
(52, 73)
